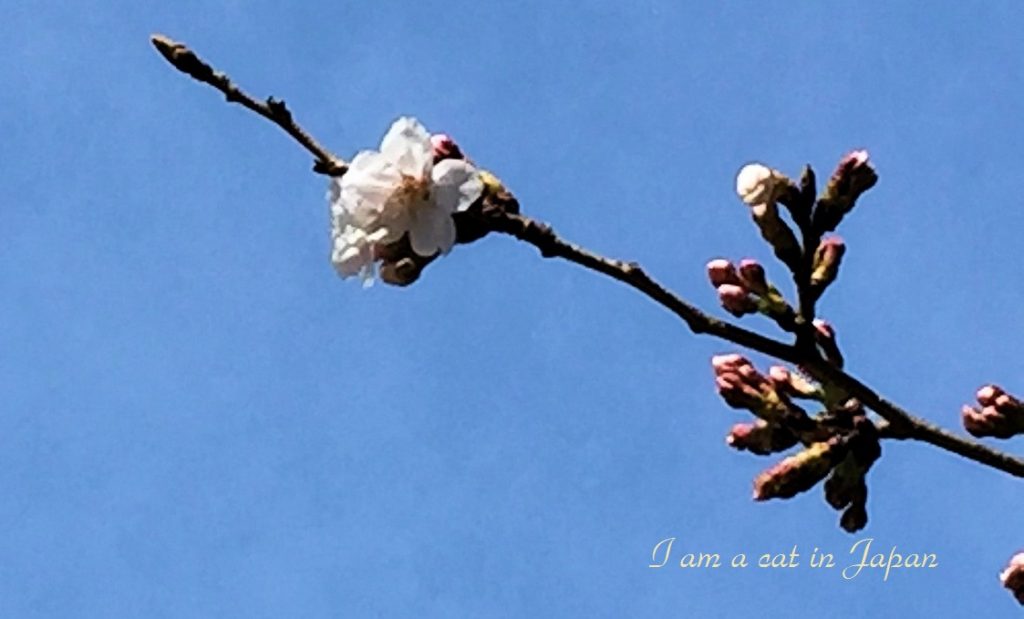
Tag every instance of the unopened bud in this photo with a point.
(827, 257)
(793, 384)
(777, 233)
(444, 147)
(761, 437)
(1001, 415)
(825, 336)
(736, 300)
(824, 329)
(721, 271)
(740, 384)
(751, 273)
(1013, 577)
(853, 176)
(988, 394)
(401, 272)
(758, 184)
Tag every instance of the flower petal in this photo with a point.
(457, 185)
(407, 146)
(431, 230)
(352, 252)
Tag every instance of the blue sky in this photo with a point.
(201, 420)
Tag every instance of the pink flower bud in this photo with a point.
(793, 384)
(1001, 415)
(739, 383)
(855, 159)
(1013, 577)
(741, 386)
(825, 336)
(444, 147)
(987, 395)
(728, 361)
(721, 271)
(736, 300)
(853, 176)
(761, 438)
(752, 275)
(827, 257)
(824, 329)
(779, 374)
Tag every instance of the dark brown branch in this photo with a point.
(900, 423)
(186, 61)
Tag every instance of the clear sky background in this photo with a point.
(200, 419)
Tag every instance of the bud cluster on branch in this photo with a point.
(839, 442)
(1000, 415)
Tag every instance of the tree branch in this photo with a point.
(899, 424)
(186, 61)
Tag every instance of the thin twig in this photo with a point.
(186, 61)
(899, 424)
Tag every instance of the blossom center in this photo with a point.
(412, 192)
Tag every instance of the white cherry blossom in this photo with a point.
(397, 191)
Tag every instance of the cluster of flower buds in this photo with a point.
(853, 176)
(825, 267)
(1013, 577)
(745, 289)
(761, 188)
(1000, 415)
(846, 489)
(844, 458)
(841, 444)
(781, 423)
(743, 387)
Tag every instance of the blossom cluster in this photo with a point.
(999, 415)
(839, 445)
(407, 192)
